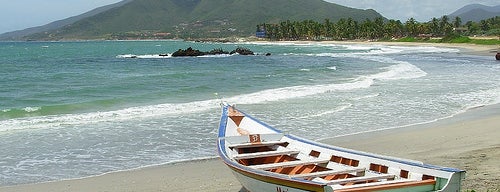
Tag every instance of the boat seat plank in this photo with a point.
(289, 164)
(384, 184)
(265, 154)
(360, 179)
(329, 172)
(261, 144)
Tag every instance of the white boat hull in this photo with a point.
(265, 159)
(252, 185)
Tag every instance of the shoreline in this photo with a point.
(469, 114)
(212, 175)
(464, 48)
(447, 142)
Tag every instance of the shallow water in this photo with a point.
(77, 109)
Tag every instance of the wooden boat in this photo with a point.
(265, 159)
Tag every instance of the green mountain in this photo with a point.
(476, 12)
(198, 18)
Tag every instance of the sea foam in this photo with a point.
(400, 70)
(157, 56)
(132, 56)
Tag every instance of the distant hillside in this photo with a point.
(20, 34)
(198, 18)
(476, 12)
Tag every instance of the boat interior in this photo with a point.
(276, 155)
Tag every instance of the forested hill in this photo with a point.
(198, 18)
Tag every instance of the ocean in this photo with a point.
(80, 109)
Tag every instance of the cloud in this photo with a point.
(421, 10)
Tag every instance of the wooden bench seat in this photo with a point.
(261, 144)
(289, 164)
(328, 172)
(265, 154)
(360, 179)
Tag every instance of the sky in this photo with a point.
(421, 10)
(21, 14)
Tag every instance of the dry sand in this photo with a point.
(468, 141)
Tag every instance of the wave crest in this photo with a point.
(400, 70)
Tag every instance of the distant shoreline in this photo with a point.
(465, 48)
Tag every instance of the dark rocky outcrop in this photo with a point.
(217, 52)
(190, 52)
(242, 51)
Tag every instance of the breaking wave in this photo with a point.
(400, 70)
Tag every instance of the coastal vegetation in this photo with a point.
(437, 30)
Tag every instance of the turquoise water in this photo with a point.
(78, 109)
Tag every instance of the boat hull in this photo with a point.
(253, 185)
(263, 159)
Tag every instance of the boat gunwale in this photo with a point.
(340, 149)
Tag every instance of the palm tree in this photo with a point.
(411, 27)
(352, 28)
(457, 22)
(342, 29)
(394, 28)
(328, 28)
(434, 26)
(445, 26)
(379, 27)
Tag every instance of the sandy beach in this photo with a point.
(467, 141)
(469, 49)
